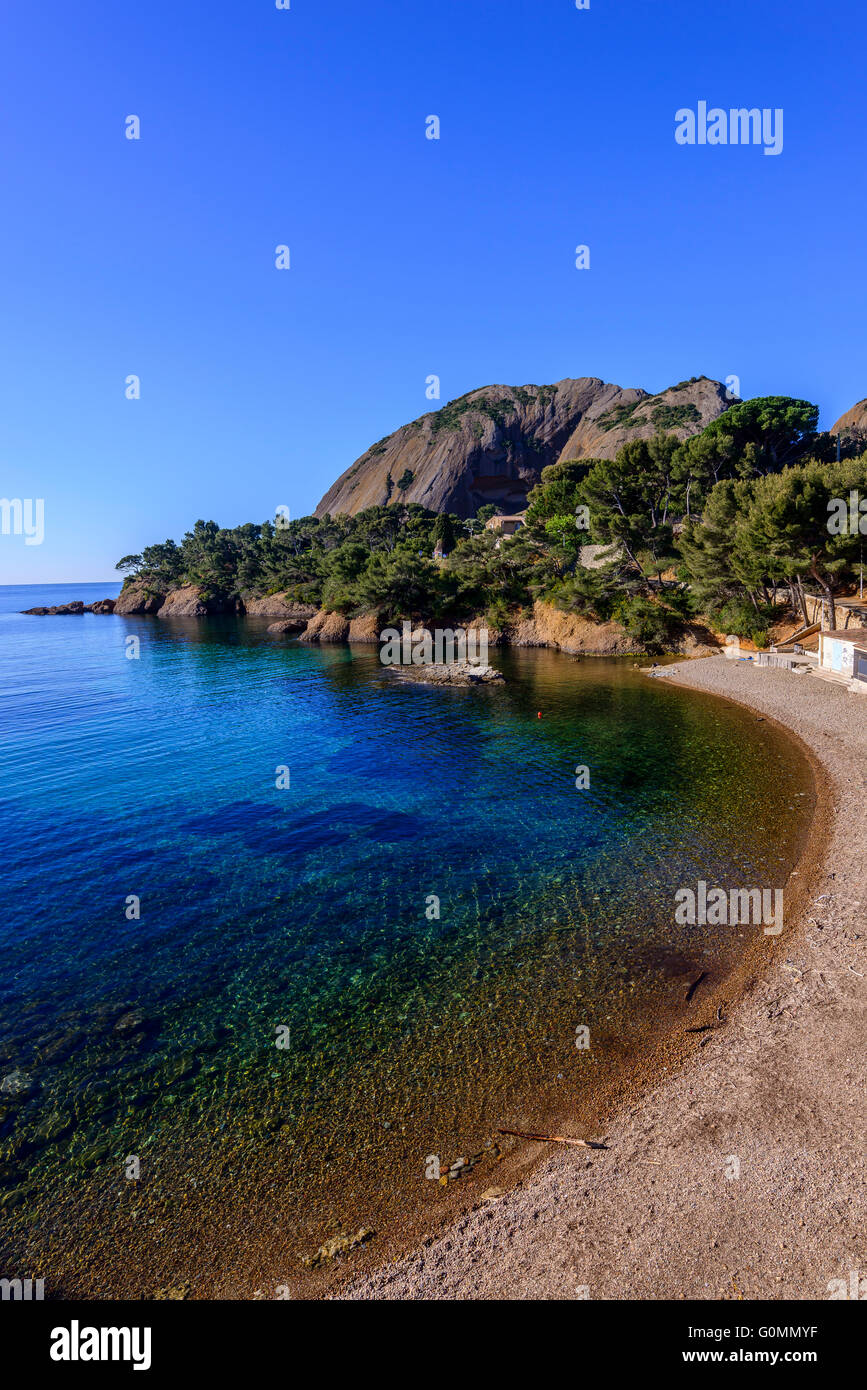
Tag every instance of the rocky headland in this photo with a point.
(543, 626)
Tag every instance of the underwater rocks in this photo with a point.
(131, 1022)
(17, 1083)
(174, 1292)
(338, 1245)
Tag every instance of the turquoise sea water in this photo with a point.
(304, 916)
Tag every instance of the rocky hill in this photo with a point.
(491, 445)
(853, 423)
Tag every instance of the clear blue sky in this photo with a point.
(409, 256)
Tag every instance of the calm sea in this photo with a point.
(240, 1019)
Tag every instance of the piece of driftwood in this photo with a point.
(695, 984)
(553, 1139)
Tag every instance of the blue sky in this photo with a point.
(409, 257)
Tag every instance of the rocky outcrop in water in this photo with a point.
(491, 445)
(288, 625)
(103, 605)
(456, 673)
(338, 1245)
(327, 627)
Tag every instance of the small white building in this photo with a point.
(506, 525)
(844, 652)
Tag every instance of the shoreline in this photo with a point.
(779, 1088)
(624, 1084)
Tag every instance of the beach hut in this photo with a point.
(843, 652)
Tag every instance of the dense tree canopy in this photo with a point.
(717, 524)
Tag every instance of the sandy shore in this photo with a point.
(777, 1093)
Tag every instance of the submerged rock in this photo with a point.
(338, 1245)
(17, 1083)
(131, 1022)
(15, 1198)
(174, 1292)
(58, 1048)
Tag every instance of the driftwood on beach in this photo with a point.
(553, 1139)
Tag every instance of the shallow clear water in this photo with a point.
(309, 909)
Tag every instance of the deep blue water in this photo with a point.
(306, 907)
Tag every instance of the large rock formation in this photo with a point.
(189, 602)
(853, 424)
(326, 627)
(546, 626)
(102, 605)
(135, 598)
(492, 444)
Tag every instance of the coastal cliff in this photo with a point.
(137, 598)
(543, 626)
(190, 601)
